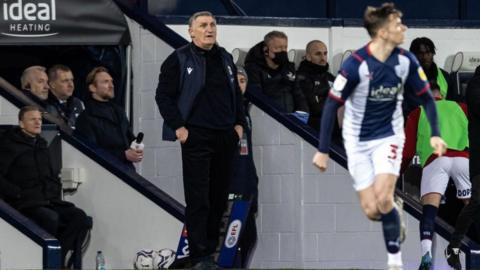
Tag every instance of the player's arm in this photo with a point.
(418, 80)
(344, 83)
(411, 129)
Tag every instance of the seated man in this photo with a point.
(314, 80)
(424, 50)
(105, 123)
(34, 82)
(28, 184)
(438, 170)
(60, 102)
(267, 65)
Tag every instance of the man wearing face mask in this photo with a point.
(267, 65)
(314, 80)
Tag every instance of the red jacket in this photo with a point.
(409, 148)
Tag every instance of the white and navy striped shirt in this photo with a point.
(372, 92)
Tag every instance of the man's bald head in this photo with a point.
(317, 53)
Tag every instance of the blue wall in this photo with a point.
(413, 9)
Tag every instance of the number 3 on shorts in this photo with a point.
(393, 151)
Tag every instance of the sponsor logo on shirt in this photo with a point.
(385, 93)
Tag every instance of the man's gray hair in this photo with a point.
(199, 14)
(274, 34)
(26, 75)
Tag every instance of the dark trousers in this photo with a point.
(206, 155)
(66, 222)
(470, 213)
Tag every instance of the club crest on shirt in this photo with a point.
(422, 74)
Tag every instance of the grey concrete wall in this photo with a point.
(17, 251)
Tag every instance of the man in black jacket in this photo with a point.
(314, 80)
(201, 104)
(245, 180)
(28, 184)
(61, 101)
(267, 65)
(104, 123)
(471, 212)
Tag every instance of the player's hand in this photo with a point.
(439, 146)
(182, 134)
(320, 160)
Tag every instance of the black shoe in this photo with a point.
(206, 265)
(453, 257)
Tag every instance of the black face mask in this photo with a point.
(281, 58)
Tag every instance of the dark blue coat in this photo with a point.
(244, 174)
(177, 89)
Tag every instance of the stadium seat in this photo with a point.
(462, 68)
(296, 56)
(239, 55)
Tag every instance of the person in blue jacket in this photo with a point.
(201, 105)
(245, 180)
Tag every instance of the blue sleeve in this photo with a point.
(428, 104)
(346, 80)
(417, 79)
(344, 84)
(326, 124)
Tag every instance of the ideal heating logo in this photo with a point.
(28, 18)
(385, 93)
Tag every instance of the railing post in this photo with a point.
(472, 257)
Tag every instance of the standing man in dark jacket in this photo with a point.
(28, 184)
(245, 179)
(61, 101)
(314, 80)
(201, 104)
(104, 123)
(267, 65)
(471, 212)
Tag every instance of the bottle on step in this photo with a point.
(100, 261)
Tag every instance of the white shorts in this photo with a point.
(370, 158)
(435, 176)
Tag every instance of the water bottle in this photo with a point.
(137, 144)
(100, 261)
